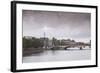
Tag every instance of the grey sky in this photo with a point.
(62, 25)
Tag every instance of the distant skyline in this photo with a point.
(61, 25)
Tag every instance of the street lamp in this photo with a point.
(45, 28)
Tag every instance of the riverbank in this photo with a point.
(30, 51)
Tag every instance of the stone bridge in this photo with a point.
(65, 47)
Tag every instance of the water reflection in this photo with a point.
(58, 55)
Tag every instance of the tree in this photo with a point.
(34, 42)
(27, 43)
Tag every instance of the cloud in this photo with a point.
(60, 24)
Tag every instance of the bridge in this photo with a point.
(66, 47)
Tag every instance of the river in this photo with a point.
(59, 55)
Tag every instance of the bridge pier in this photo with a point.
(81, 48)
(65, 48)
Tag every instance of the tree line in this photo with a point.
(39, 42)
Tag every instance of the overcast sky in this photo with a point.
(62, 25)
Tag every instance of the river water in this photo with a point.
(59, 55)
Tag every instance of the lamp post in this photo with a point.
(45, 30)
(44, 41)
